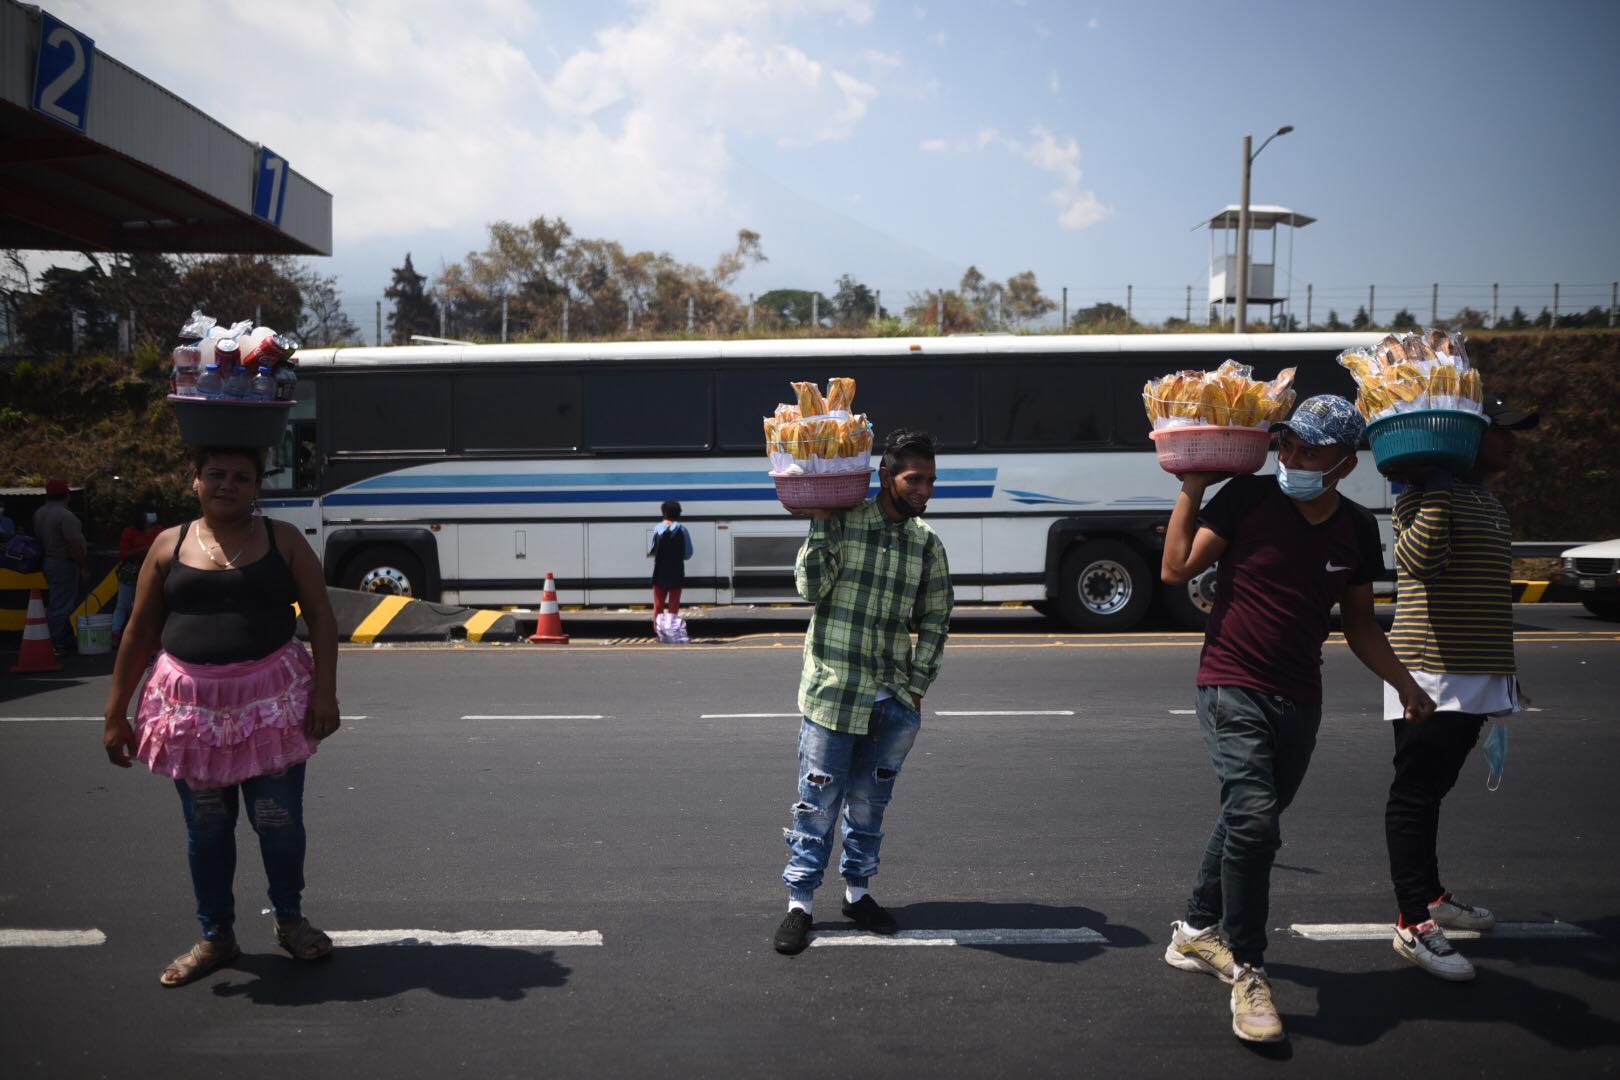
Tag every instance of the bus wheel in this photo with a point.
(1190, 604)
(1104, 586)
(390, 571)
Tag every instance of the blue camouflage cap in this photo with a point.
(1325, 419)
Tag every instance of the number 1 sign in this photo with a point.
(62, 76)
(270, 186)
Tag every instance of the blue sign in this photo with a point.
(62, 76)
(270, 186)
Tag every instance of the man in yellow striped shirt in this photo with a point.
(1454, 631)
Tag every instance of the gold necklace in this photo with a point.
(227, 564)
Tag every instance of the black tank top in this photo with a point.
(227, 616)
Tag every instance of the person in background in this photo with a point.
(133, 544)
(1290, 547)
(671, 547)
(66, 563)
(876, 575)
(1454, 630)
(235, 706)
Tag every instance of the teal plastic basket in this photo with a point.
(1448, 438)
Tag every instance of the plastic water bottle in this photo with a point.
(263, 387)
(186, 366)
(286, 383)
(237, 384)
(210, 384)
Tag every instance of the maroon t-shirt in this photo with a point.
(1276, 585)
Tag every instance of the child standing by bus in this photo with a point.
(671, 547)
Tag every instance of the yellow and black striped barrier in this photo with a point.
(14, 589)
(367, 618)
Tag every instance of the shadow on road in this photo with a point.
(1357, 1009)
(370, 972)
(966, 915)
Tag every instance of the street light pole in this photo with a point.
(1242, 319)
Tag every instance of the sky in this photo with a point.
(1463, 143)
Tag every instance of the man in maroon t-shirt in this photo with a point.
(1289, 548)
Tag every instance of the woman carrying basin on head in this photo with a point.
(235, 705)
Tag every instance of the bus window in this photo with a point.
(293, 463)
(1047, 406)
(518, 411)
(938, 400)
(392, 412)
(649, 411)
(746, 398)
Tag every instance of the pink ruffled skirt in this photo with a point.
(213, 725)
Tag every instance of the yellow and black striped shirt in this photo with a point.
(1454, 559)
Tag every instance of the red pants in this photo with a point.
(666, 598)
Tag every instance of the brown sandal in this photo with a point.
(201, 959)
(302, 941)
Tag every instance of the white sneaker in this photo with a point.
(1453, 914)
(1254, 1017)
(1199, 950)
(1426, 946)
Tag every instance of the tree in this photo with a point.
(853, 304)
(1103, 314)
(924, 312)
(414, 310)
(1361, 321)
(233, 287)
(322, 320)
(793, 307)
(67, 298)
(1404, 320)
(1517, 320)
(1333, 322)
(1024, 302)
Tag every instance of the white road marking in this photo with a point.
(50, 939)
(1382, 931)
(1006, 712)
(745, 715)
(42, 719)
(1183, 712)
(537, 716)
(1050, 936)
(506, 939)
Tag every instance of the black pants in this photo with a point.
(1428, 757)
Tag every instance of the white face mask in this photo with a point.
(151, 519)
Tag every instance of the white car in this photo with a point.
(1593, 570)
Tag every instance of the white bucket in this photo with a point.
(95, 634)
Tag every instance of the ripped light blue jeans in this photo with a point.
(275, 809)
(852, 773)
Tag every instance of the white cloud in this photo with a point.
(424, 115)
(1092, 23)
(1077, 207)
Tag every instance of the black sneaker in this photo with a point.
(867, 915)
(793, 935)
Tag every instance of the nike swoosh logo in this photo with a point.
(1335, 569)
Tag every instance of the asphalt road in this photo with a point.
(658, 826)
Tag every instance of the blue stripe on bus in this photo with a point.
(464, 498)
(622, 479)
(285, 504)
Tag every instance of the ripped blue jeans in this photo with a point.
(275, 809)
(852, 773)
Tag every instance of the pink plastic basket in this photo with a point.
(828, 491)
(1209, 448)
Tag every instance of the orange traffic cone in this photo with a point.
(548, 630)
(36, 654)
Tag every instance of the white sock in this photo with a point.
(799, 905)
(853, 893)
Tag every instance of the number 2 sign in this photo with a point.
(62, 76)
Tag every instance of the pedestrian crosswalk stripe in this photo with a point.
(510, 939)
(1078, 935)
(50, 939)
(1379, 931)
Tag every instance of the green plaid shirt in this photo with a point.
(874, 584)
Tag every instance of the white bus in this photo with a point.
(466, 473)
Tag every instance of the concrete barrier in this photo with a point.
(365, 618)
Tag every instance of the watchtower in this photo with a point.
(1264, 284)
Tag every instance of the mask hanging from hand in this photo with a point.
(1495, 754)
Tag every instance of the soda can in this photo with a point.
(227, 354)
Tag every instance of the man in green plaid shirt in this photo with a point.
(876, 575)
